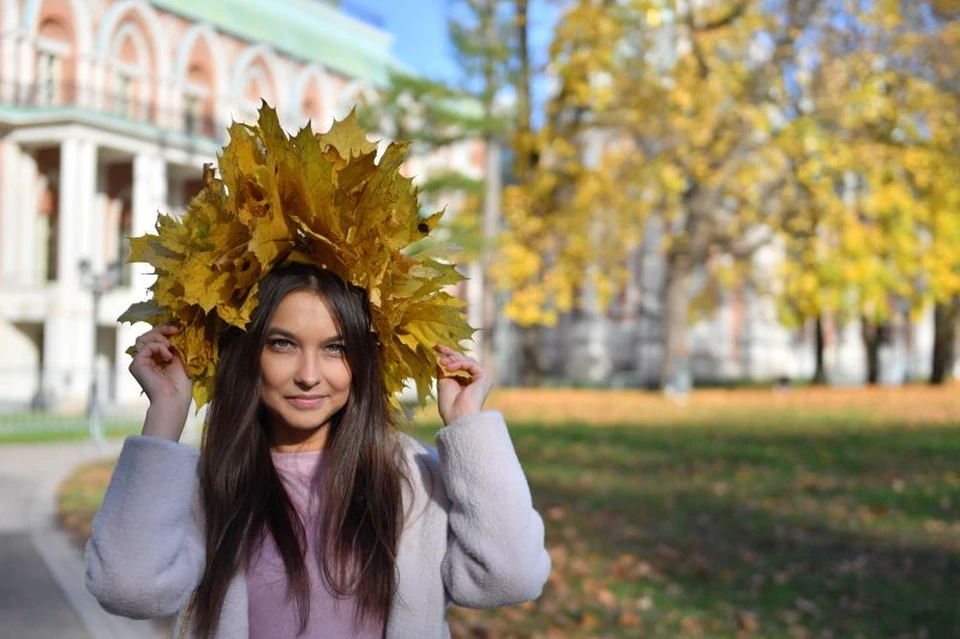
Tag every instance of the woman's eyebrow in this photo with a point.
(282, 332)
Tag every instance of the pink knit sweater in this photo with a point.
(272, 614)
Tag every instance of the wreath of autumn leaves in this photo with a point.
(318, 199)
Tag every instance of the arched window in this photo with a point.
(132, 40)
(311, 101)
(196, 93)
(55, 57)
(130, 64)
(196, 71)
(258, 85)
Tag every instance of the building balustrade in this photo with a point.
(121, 105)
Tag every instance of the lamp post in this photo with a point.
(97, 283)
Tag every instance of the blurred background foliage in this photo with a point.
(825, 130)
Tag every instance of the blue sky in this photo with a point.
(420, 31)
(420, 35)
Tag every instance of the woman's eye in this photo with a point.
(336, 349)
(280, 344)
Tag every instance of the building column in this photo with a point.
(68, 331)
(78, 183)
(11, 213)
(29, 272)
(97, 83)
(166, 104)
(149, 198)
(82, 83)
(26, 65)
(8, 53)
(97, 250)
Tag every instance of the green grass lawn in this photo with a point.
(805, 526)
(40, 427)
(72, 435)
(732, 523)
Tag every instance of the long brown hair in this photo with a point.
(360, 481)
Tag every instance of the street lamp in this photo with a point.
(97, 283)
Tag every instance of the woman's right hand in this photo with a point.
(161, 374)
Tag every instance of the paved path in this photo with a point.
(42, 594)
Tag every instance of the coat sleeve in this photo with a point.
(495, 548)
(146, 555)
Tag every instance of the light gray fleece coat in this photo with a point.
(471, 535)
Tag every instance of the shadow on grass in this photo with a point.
(711, 531)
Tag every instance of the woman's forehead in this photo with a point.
(304, 312)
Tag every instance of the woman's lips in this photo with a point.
(305, 402)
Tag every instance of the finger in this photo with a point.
(465, 365)
(153, 341)
(450, 354)
(462, 362)
(156, 330)
(142, 349)
(161, 330)
(164, 353)
(154, 351)
(152, 337)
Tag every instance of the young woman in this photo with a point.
(305, 511)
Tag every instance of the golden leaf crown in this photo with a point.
(318, 199)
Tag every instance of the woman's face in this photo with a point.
(304, 372)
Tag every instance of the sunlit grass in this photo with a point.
(53, 435)
(716, 531)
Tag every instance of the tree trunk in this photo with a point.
(870, 332)
(525, 154)
(820, 371)
(491, 228)
(531, 342)
(944, 337)
(531, 374)
(675, 373)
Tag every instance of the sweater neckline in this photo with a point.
(303, 463)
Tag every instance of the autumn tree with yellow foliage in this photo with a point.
(848, 221)
(662, 122)
(826, 126)
(933, 166)
(871, 229)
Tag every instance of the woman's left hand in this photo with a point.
(458, 396)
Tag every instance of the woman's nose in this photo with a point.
(308, 371)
